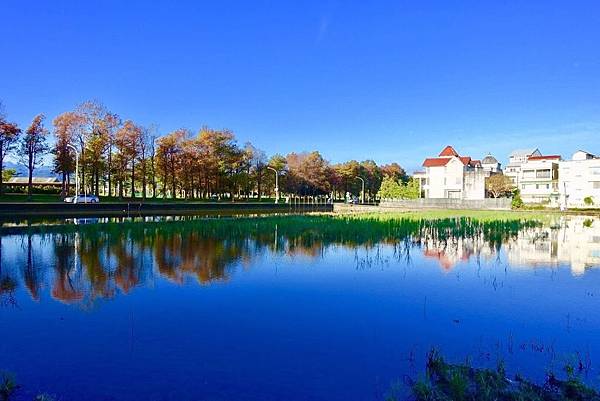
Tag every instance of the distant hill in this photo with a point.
(41, 171)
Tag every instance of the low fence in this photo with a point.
(9, 210)
(423, 203)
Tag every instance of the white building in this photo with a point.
(515, 160)
(453, 176)
(538, 180)
(491, 165)
(580, 179)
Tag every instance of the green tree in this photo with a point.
(392, 189)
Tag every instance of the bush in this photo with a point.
(517, 202)
(588, 201)
(392, 189)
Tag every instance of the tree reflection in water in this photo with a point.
(102, 260)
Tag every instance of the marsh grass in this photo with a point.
(461, 382)
(8, 386)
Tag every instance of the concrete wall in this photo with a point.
(483, 204)
(474, 184)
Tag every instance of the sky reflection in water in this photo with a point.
(295, 308)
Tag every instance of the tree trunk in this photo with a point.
(133, 179)
(30, 182)
(153, 179)
(259, 185)
(97, 179)
(109, 167)
(64, 185)
(173, 195)
(1, 169)
(82, 167)
(144, 179)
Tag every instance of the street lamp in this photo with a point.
(76, 169)
(362, 193)
(276, 183)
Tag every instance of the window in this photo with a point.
(543, 174)
(458, 181)
(528, 173)
(596, 184)
(595, 170)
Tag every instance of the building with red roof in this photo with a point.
(537, 179)
(450, 175)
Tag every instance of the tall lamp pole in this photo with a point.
(362, 193)
(76, 168)
(276, 183)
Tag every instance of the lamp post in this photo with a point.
(76, 169)
(362, 193)
(276, 183)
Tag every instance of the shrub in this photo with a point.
(392, 189)
(588, 201)
(517, 202)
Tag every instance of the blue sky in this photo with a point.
(390, 81)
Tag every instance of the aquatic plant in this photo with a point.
(444, 382)
(8, 386)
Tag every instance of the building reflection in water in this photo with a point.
(79, 265)
(572, 241)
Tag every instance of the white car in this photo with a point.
(85, 199)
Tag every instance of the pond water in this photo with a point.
(291, 307)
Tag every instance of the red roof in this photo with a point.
(436, 161)
(549, 157)
(448, 154)
(448, 151)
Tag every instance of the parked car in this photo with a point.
(85, 199)
(68, 199)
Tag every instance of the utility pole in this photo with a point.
(362, 193)
(276, 183)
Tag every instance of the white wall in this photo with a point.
(579, 179)
(536, 188)
(452, 180)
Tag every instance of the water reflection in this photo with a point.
(78, 264)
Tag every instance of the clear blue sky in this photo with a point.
(391, 81)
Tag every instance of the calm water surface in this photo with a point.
(290, 308)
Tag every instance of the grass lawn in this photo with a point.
(36, 198)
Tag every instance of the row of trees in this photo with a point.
(125, 159)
